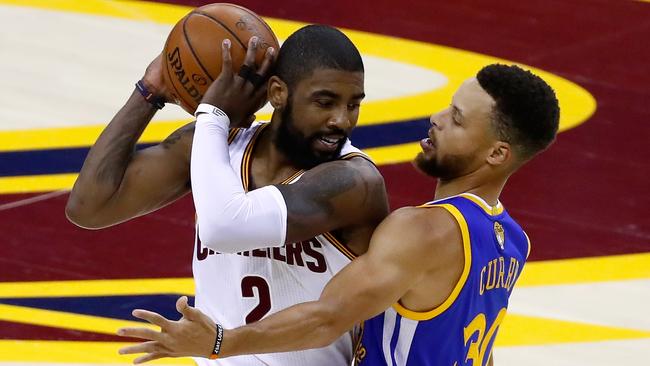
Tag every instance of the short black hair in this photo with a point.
(526, 113)
(313, 47)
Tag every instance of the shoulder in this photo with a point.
(352, 190)
(434, 228)
(356, 168)
(178, 143)
(239, 135)
(183, 135)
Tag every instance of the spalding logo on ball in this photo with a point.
(193, 48)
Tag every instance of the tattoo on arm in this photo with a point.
(322, 193)
(121, 150)
(111, 168)
(172, 139)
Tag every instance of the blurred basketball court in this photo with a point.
(67, 66)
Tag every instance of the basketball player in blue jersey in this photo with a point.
(433, 287)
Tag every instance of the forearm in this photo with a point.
(302, 326)
(230, 219)
(104, 167)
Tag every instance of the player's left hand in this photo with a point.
(241, 94)
(192, 335)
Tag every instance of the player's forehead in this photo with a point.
(472, 99)
(335, 81)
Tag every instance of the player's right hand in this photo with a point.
(193, 335)
(154, 80)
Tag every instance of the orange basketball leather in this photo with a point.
(193, 48)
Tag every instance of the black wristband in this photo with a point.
(217, 342)
(154, 100)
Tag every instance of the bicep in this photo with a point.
(378, 279)
(155, 176)
(332, 196)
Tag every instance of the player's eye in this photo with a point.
(324, 103)
(353, 106)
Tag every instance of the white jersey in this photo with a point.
(236, 289)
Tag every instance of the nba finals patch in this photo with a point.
(500, 234)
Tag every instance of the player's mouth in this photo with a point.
(427, 145)
(329, 142)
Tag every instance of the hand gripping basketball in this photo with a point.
(154, 81)
(240, 95)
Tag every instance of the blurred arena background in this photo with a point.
(67, 66)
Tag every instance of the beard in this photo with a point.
(445, 168)
(298, 147)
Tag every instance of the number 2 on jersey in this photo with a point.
(249, 283)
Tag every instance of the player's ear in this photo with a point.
(500, 153)
(278, 92)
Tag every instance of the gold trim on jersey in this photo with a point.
(293, 177)
(232, 134)
(355, 154)
(490, 210)
(340, 246)
(467, 251)
(358, 354)
(247, 158)
(248, 154)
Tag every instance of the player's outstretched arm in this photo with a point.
(404, 250)
(396, 262)
(117, 183)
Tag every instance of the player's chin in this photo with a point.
(425, 157)
(425, 164)
(324, 156)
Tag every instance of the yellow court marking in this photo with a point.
(520, 330)
(583, 270)
(181, 286)
(36, 183)
(455, 64)
(517, 330)
(67, 352)
(51, 138)
(65, 320)
(554, 272)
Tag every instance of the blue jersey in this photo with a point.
(460, 331)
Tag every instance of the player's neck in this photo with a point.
(488, 189)
(276, 165)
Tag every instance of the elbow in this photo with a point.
(76, 214)
(219, 237)
(330, 326)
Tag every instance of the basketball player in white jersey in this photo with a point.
(281, 206)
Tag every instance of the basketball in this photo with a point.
(193, 48)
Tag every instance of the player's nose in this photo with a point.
(341, 120)
(434, 121)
